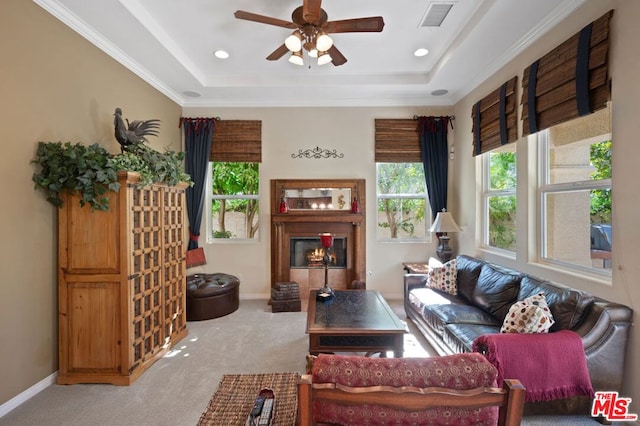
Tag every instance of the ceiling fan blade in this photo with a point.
(372, 24)
(311, 10)
(278, 53)
(248, 16)
(337, 58)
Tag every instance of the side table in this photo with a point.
(416, 268)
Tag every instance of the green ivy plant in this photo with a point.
(153, 166)
(91, 171)
(75, 168)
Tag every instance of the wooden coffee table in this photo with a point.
(354, 321)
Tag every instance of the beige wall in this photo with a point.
(625, 72)
(55, 86)
(349, 131)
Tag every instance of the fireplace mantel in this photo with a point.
(306, 222)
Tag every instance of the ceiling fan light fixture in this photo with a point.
(313, 53)
(323, 42)
(323, 58)
(294, 41)
(296, 58)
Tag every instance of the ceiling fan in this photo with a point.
(311, 32)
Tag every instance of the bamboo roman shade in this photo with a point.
(494, 118)
(570, 81)
(397, 141)
(237, 140)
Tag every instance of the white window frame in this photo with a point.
(428, 218)
(545, 188)
(209, 198)
(487, 193)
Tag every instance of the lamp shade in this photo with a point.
(294, 41)
(323, 58)
(323, 42)
(296, 58)
(444, 223)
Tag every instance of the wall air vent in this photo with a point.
(436, 12)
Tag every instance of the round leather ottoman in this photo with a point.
(211, 295)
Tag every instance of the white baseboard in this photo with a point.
(254, 296)
(22, 397)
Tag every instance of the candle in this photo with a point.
(326, 239)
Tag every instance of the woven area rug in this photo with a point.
(233, 400)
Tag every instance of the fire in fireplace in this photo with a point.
(307, 252)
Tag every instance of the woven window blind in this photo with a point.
(494, 119)
(570, 81)
(237, 140)
(397, 141)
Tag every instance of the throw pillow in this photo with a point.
(531, 315)
(443, 277)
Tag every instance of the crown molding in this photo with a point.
(71, 20)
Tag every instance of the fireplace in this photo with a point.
(307, 252)
(295, 243)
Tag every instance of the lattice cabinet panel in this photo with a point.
(121, 282)
(145, 268)
(174, 269)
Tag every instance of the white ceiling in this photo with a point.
(170, 44)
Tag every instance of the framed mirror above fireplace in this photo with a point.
(318, 198)
(316, 206)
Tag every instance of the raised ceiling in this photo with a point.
(171, 44)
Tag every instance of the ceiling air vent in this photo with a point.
(436, 14)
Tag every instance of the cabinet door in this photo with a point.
(145, 273)
(93, 327)
(174, 231)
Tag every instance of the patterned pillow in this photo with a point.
(531, 315)
(443, 276)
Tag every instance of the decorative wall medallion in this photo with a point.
(317, 152)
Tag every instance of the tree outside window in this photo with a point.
(234, 207)
(501, 199)
(403, 210)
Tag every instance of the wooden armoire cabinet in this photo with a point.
(121, 282)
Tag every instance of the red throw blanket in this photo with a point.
(549, 365)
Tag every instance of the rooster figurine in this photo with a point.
(132, 134)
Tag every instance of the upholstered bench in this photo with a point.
(211, 295)
(448, 390)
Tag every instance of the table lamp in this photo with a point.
(443, 224)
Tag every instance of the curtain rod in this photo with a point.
(200, 118)
(197, 119)
(451, 117)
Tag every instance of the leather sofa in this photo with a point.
(486, 291)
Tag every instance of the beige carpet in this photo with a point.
(176, 390)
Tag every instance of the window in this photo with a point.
(402, 211)
(234, 200)
(575, 192)
(499, 198)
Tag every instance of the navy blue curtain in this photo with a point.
(435, 159)
(198, 133)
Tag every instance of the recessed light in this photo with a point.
(439, 92)
(221, 54)
(421, 52)
(191, 94)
